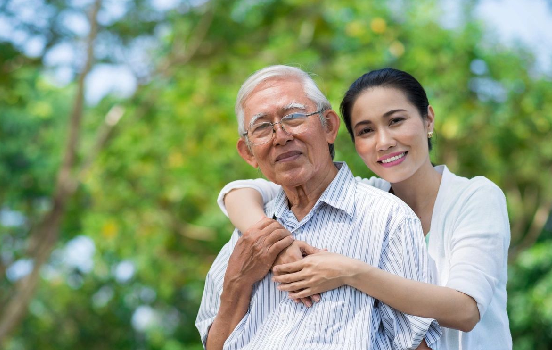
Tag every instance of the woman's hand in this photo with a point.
(295, 252)
(314, 274)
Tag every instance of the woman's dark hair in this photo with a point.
(385, 77)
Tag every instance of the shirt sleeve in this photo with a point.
(210, 302)
(405, 255)
(267, 189)
(479, 243)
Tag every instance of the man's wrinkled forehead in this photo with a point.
(275, 96)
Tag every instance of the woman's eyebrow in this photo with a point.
(363, 122)
(388, 113)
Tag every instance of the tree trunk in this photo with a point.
(44, 236)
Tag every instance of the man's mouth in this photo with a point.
(291, 155)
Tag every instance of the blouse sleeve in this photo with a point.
(267, 189)
(479, 243)
(375, 182)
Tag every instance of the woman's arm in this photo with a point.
(243, 200)
(246, 201)
(245, 207)
(324, 271)
(449, 307)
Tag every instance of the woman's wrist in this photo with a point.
(354, 271)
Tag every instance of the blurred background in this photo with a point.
(117, 131)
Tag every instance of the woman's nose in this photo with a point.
(384, 140)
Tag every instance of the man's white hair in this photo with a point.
(279, 71)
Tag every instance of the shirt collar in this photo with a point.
(340, 194)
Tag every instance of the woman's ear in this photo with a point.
(246, 153)
(430, 118)
(332, 126)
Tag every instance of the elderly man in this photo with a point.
(290, 124)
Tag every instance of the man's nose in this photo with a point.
(385, 140)
(281, 135)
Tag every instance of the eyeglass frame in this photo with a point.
(323, 109)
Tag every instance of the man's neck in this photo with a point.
(302, 198)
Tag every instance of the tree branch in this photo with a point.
(533, 233)
(194, 43)
(111, 119)
(45, 234)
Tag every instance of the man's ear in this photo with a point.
(332, 126)
(246, 153)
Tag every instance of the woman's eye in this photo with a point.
(364, 131)
(396, 120)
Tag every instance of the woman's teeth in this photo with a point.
(392, 159)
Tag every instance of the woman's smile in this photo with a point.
(392, 159)
(390, 134)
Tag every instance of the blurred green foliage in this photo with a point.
(148, 203)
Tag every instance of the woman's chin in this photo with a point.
(391, 175)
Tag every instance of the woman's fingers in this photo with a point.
(288, 268)
(306, 301)
(291, 287)
(283, 277)
(289, 278)
(305, 293)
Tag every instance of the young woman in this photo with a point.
(465, 220)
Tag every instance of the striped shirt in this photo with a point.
(351, 219)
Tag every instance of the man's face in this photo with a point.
(287, 159)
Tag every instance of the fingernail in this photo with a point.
(316, 298)
(309, 304)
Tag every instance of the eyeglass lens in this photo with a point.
(292, 124)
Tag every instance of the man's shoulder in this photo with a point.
(371, 196)
(227, 248)
(369, 189)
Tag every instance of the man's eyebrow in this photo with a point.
(294, 105)
(289, 106)
(257, 116)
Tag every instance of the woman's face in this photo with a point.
(390, 134)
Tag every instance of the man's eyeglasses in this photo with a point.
(292, 124)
